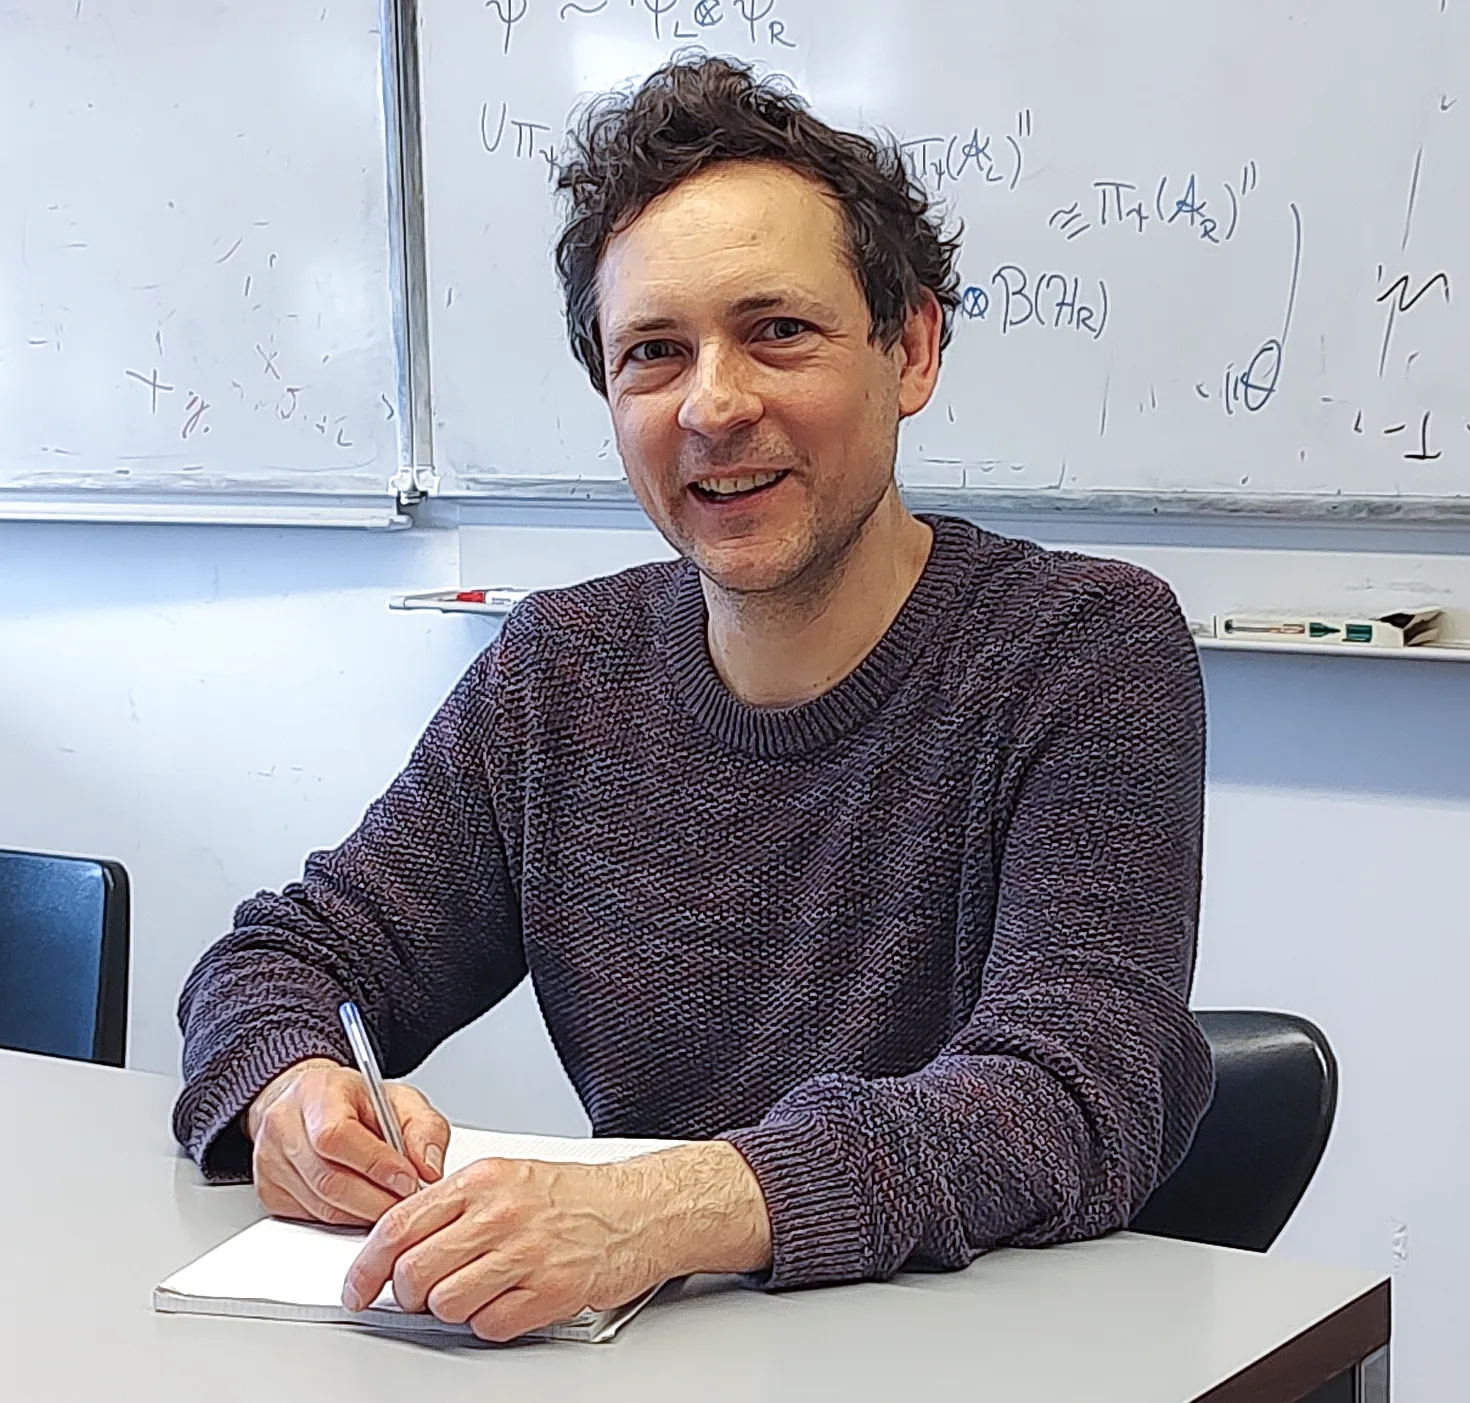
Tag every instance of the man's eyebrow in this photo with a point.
(742, 307)
(645, 327)
(769, 301)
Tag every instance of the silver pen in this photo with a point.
(367, 1064)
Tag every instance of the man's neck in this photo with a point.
(781, 651)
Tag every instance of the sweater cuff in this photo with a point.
(207, 1116)
(818, 1235)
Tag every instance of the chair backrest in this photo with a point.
(64, 956)
(1260, 1141)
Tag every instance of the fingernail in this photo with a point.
(403, 1185)
(434, 1158)
(350, 1299)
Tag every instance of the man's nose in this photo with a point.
(720, 396)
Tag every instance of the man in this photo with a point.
(860, 849)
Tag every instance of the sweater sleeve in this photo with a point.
(1076, 1083)
(414, 917)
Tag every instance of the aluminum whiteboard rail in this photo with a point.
(399, 20)
(369, 516)
(1428, 653)
(499, 602)
(1289, 509)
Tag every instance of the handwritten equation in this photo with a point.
(710, 22)
(516, 138)
(1048, 301)
(1125, 205)
(986, 157)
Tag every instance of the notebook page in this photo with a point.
(295, 1264)
(297, 1269)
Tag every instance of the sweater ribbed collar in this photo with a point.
(778, 731)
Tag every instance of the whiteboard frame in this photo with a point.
(399, 24)
(257, 509)
(1041, 502)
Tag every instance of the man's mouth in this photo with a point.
(737, 487)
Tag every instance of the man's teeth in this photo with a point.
(728, 486)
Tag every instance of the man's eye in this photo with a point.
(646, 351)
(784, 328)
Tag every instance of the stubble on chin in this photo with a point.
(795, 580)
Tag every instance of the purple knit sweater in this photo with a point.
(919, 948)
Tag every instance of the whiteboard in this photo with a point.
(1212, 250)
(195, 266)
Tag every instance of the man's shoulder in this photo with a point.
(1018, 589)
(1036, 623)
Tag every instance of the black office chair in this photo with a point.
(64, 956)
(1260, 1141)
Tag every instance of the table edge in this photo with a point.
(1321, 1352)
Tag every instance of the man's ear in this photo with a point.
(918, 345)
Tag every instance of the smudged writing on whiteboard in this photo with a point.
(194, 413)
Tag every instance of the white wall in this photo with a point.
(1339, 831)
(208, 704)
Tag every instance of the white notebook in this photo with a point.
(276, 1270)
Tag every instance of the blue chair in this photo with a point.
(64, 956)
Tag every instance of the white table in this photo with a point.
(96, 1207)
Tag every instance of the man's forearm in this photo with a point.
(706, 1212)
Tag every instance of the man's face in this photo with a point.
(756, 419)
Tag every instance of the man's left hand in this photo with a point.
(509, 1246)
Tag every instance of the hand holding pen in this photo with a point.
(323, 1150)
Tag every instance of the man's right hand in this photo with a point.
(318, 1153)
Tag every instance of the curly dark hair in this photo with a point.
(699, 111)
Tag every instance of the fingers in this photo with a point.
(337, 1127)
(397, 1231)
(425, 1131)
(288, 1171)
(285, 1194)
(314, 1150)
(342, 1188)
(515, 1313)
(459, 1294)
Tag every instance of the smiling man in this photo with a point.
(860, 849)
